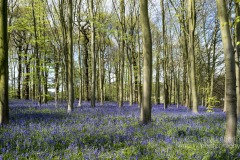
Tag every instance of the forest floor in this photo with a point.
(109, 132)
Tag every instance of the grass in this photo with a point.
(109, 132)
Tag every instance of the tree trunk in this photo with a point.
(237, 53)
(19, 71)
(56, 78)
(165, 59)
(38, 56)
(231, 112)
(192, 26)
(157, 87)
(27, 75)
(70, 58)
(147, 66)
(86, 69)
(4, 109)
(93, 55)
(122, 52)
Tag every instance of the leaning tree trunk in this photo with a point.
(230, 97)
(147, 65)
(4, 109)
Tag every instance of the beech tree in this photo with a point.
(4, 109)
(230, 80)
(147, 63)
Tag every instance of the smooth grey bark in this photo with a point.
(147, 63)
(230, 79)
(4, 108)
(191, 50)
(70, 58)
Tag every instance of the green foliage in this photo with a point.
(211, 103)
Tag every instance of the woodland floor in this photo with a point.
(109, 132)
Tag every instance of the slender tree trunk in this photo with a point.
(165, 57)
(86, 69)
(19, 71)
(36, 51)
(157, 87)
(101, 77)
(192, 26)
(139, 72)
(231, 106)
(4, 109)
(147, 65)
(27, 76)
(56, 80)
(80, 73)
(70, 58)
(93, 89)
(122, 53)
(237, 53)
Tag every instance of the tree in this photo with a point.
(230, 80)
(165, 57)
(192, 26)
(93, 54)
(70, 58)
(122, 52)
(4, 109)
(147, 65)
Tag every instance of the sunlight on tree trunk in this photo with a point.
(147, 63)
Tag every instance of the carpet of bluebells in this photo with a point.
(109, 132)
